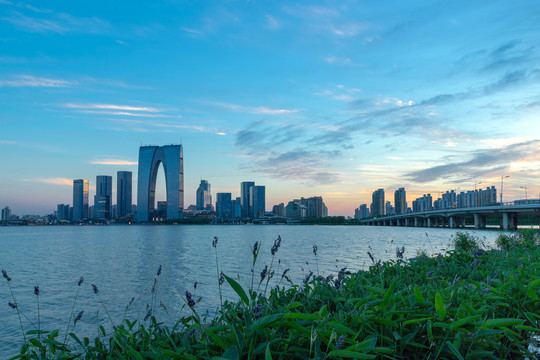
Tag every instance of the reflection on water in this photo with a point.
(122, 262)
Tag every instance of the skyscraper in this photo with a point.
(123, 193)
(80, 199)
(224, 208)
(244, 196)
(400, 201)
(172, 158)
(102, 199)
(204, 195)
(6, 213)
(257, 201)
(377, 204)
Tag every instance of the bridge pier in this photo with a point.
(509, 221)
(452, 222)
(479, 221)
(429, 222)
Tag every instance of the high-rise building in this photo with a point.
(377, 203)
(400, 201)
(102, 199)
(244, 198)
(204, 195)
(161, 211)
(257, 200)
(62, 212)
(80, 199)
(424, 203)
(279, 210)
(315, 207)
(237, 207)
(124, 193)
(224, 208)
(6, 213)
(172, 158)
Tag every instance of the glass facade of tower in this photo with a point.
(102, 199)
(123, 193)
(257, 201)
(80, 199)
(244, 198)
(204, 195)
(224, 207)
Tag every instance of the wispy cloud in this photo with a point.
(192, 31)
(54, 181)
(59, 23)
(271, 22)
(338, 60)
(259, 110)
(481, 163)
(33, 81)
(112, 162)
(7, 142)
(112, 107)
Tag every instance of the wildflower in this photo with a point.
(131, 301)
(270, 275)
(275, 247)
(430, 273)
(12, 305)
(81, 280)
(190, 301)
(315, 250)
(94, 287)
(255, 247)
(337, 284)
(195, 285)
(264, 272)
(36, 290)
(78, 317)
(159, 271)
(221, 278)
(399, 253)
(329, 278)
(284, 273)
(308, 276)
(371, 256)
(339, 342)
(258, 311)
(214, 242)
(154, 286)
(162, 305)
(5, 275)
(475, 264)
(148, 314)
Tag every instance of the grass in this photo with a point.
(468, 303)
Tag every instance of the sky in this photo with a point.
(315, 98)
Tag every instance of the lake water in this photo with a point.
(122, 262)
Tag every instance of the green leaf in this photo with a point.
(439, 306)
(350, 354)
(469, 320)
(340, 328)
(534, 283)
(268, 354)
(414, 321)
(498, 323)
(323, 311)
(267, 320)
(302, 316)
(418, 297)
(293, 305)
(231, 353)
(389, 292)
(454, 350)
(238, 289)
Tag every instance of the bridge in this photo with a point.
(506, 214)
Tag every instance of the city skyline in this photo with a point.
(318, 99)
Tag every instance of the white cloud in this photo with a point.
(338, 60)
(221, 133)
(260, 110)
(57, 22)
(112, 162)
(112, 107)
(33, 81)
(271, 22)
(192, 31)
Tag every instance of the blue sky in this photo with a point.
(308, 98)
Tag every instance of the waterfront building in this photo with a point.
(424, 203)
(124, 193)
(161, 211)
(204, 196)
(257, 200)
(62, 212)
(80, 199)
(6, 213)
(389, 209)
(295, 210)
(400, 201)
(150, 157)
(102, 199)
(224, 207)
(279, 210)
(315, 207)
(237, 207)
(244, 197)
(377, 203)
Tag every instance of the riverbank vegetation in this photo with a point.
(469, 303)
